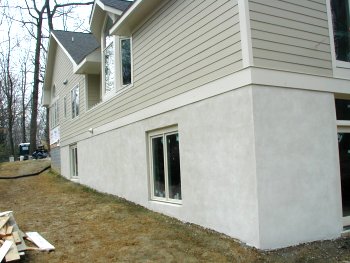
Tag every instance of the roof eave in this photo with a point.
(91, 64)
(134, 16)
(46, 97)
(96, 13)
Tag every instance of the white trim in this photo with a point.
(245, 29)
(234, 81)
(346, 221)
(123, 18)
(248, 76)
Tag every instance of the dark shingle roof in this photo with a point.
(117, 4)
(77, 44)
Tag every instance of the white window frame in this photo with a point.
(74, 165)
(106, 95)
(340, 68)
(156, 134)
(75, 113)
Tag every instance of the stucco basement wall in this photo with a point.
(217, 164)
(297, 166)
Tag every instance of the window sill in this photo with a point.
(167, 202)
(342, 64)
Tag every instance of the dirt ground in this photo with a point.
(86, 226)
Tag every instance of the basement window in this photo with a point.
(165, 175)
(74, 161)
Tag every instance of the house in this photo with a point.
(230, 114)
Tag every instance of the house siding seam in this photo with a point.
(173, 54)
(291, 36)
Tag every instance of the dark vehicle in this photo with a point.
(24, 150)
(40, 153)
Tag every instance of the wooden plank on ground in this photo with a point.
(4, 249)
(5, 213)
(12, 254)
(3, 231)
(16, 237)
(41, 242)
(9, 230)
(3, 221)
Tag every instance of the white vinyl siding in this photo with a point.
(291, 36)
(184, 45)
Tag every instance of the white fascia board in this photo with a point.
(45, 99)
(123, 19)
(104, 8)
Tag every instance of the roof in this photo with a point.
(117, 4)
(78, 45)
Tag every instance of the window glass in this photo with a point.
(342, 108)
(108, 38)
(125, 45)
(74, 161)
(173, 161)
(65, 106)
(108, 55)
(341, 29)
(75, 101)
(109, 68)
(158, 167)
(165, 166)
(344, 158)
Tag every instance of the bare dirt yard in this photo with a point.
(86, 226)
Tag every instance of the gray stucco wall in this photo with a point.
(259, 164)
(56, 159)
(297, 166)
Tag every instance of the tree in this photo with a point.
(7, 87)
(35, 27)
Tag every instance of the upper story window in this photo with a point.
(125, 55)
(341, 29)
(54, 112)
(75, 101)
(108, 57)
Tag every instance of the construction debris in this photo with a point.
(12, 244)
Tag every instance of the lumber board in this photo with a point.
(16, 237)
(4, 249)
(41, 242)
(12, 254)
(3, 231)
(5, 213)
(3, 221)
(9, 230)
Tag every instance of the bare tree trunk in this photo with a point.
(35, 93)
